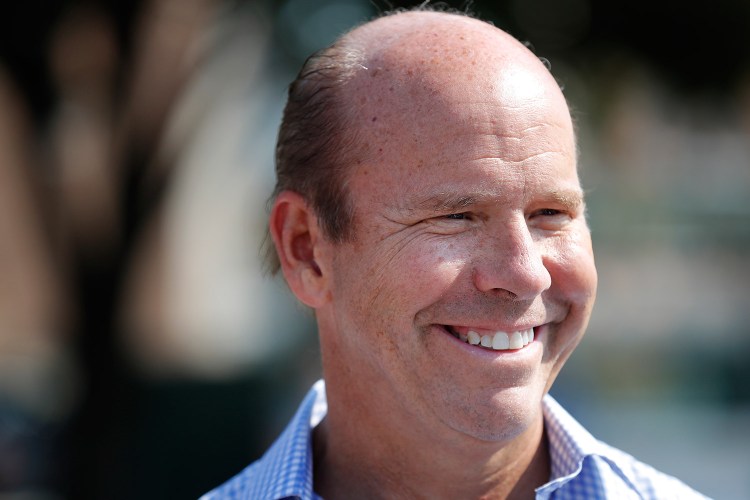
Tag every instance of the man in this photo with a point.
(428, 210)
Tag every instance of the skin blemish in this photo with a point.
(374, 118)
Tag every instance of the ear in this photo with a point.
(299, 244)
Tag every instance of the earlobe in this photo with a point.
(298, 240)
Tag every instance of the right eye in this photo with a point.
(451, 223)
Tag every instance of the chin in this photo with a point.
(501, 417)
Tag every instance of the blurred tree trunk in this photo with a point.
(96, 83)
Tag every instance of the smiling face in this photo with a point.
(469, 221)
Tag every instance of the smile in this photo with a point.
(498, 341)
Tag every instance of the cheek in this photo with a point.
(393, 284)
(380, 294)
(420, 266)
(570, 261)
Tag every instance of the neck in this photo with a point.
(358, 454)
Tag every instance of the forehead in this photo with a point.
(455, 98)
(445, 127)
(416, 58)
(456, 172)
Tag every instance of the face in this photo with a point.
(469, 221)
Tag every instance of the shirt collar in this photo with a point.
(288, 464)
(288, 469)
(569, 442)
(569, 445)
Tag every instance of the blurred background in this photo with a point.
(143, 354)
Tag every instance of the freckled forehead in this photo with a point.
(449, 92)
(436, 38)
(431, 51)
(421, 65)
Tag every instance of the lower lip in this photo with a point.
(531, 349)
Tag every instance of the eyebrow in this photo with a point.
(440, 202)
(571, 199)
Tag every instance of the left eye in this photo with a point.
(457, 216)
(548, 212)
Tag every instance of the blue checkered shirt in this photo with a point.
(582, 467)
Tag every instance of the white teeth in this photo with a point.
(516, 340)
(499, 341)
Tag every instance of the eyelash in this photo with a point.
(457, 216)
(548, 212)
(548, 217)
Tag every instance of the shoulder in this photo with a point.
(285, 470)
(646, 480)
(240, 486)
(584, 467)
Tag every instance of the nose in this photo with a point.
(511, 261)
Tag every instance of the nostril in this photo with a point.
(506, 294)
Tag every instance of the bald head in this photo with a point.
(429, 42)
(405, 68)
(418, 67)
